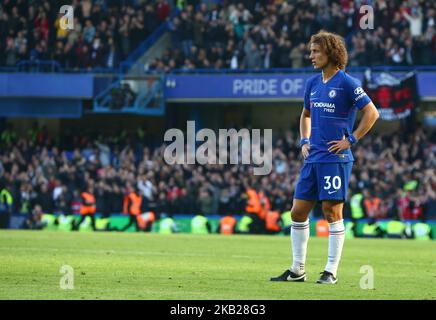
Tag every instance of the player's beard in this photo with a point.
(323, 67)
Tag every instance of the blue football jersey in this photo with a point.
(333, 106)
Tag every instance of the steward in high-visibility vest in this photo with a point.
(167, 225)
(146, 220)
(88, 203)
(421, 231)
(286, 219)
(396, 229)
(48, 221)
(410, 185)
(356, 202)
(200, 225)
(244, 225)
(6, 201)
(227, 225)
(132, 207)
(371, 229)
(103, 224)
(65, 222)
(372, 206)
(87, 209)
(253, 202)
(254, 207)
(273, 222)
(265, 205)
(350, 230)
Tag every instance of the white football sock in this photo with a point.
(336, 242)
(300, 236)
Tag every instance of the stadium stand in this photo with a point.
(219, 35)
(41, 170)
(272, 34)
(104, 34)
(50, 171)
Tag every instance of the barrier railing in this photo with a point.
(52, 66)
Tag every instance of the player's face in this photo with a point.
(317, 56)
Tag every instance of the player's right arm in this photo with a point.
(305, 131)
(305, 120)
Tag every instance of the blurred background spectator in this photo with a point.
(105, 32)
(232, 34)
(273, 34)
(394, 179)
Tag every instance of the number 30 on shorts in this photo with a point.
(335, 182)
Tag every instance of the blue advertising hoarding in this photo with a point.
(258, 87)
(39, 95)
(41, 85)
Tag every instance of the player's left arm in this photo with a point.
(370, 116)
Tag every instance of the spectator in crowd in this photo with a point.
(48, 172)
(279, 32)
(264, 34)
(32, 30)
(34, 219)
(372, 205)
(6, 206)
(122, 96)
(414, 19)
(297, 56)
(253, 59)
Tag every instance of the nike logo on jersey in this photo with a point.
(330, 192)
(312, 93)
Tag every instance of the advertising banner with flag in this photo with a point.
(394, 97)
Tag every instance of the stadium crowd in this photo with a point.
(394, 174)
(105, 31)
(233, 34)
(273, 34)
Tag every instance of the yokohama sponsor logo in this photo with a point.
(323, 105)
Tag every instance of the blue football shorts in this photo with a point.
(323, 181)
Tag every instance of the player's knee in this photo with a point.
(331, 212)
(332, 215)
(298, 216)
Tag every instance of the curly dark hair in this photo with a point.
(333, 45)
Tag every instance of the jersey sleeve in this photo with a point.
(307, 94)
(357, 95)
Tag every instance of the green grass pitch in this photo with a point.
(185, 266)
